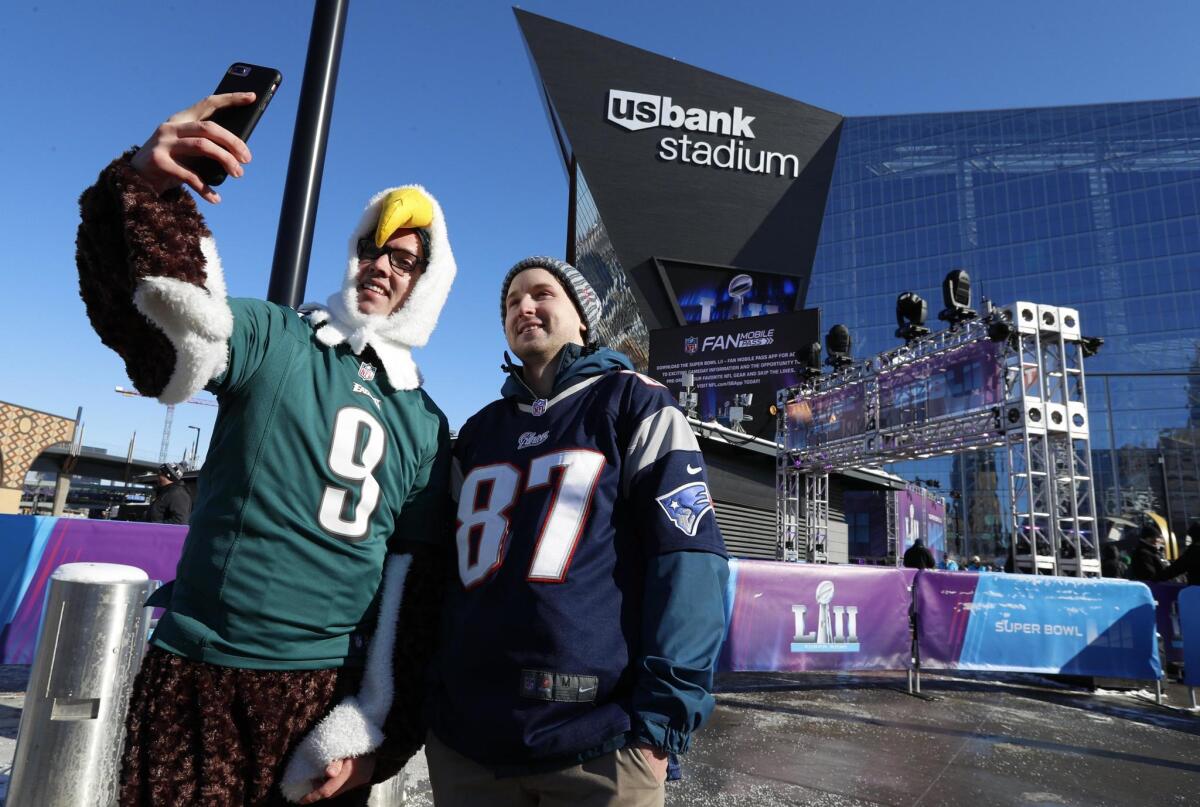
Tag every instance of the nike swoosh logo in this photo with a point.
(585, 689)
(692, 470)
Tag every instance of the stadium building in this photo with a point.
(675, 171)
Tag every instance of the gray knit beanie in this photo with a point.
(579, 290)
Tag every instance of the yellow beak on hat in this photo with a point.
(405, 207)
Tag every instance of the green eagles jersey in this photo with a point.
(315, 465)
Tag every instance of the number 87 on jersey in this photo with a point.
(492, 496)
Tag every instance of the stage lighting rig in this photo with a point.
(1090, 345)
(956, 296)
(911, 311)
(837, 345)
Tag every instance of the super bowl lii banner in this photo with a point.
(789, 617)
(1033, 623)
(798, 616)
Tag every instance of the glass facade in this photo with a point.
(621, 325)
(1092, 207)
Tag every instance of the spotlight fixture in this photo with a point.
(1091, 345)
(911, 311)
(837, 345)
(956, 295)
(809, 359)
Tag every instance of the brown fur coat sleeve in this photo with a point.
(128, 233)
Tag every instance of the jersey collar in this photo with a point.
(567, 393)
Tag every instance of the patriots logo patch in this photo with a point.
(686, 505)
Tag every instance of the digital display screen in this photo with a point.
(702, 293)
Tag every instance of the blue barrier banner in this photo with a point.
(803, 616)
(1189, 621)
(1028, 623)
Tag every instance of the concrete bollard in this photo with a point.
(90, 645)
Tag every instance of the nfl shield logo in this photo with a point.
(690, 344)
(539, 407)
(366, 371)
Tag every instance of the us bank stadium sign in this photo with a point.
(635, 111)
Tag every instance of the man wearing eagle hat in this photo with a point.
(309, 576)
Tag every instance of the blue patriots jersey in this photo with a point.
(560, 508)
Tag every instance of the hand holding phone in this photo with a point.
(196, 146)
(239, 120)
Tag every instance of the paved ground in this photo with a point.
(845, 741)
(825, 740)
(12, 689)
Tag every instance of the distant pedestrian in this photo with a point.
(918, 556)
(1187, 563)
(172, 503)
(1147, 563)
(951, 564)
(1112, 561)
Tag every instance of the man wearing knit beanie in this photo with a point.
(581, 631)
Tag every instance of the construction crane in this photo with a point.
(170, 418)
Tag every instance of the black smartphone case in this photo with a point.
(240, 120)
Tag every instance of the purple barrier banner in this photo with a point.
(1166, 618)
(943, 602)
(32, 547)
(1032, 623)
(794, 617)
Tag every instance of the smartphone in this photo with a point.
(240, 120)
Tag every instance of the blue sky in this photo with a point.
(443, 94)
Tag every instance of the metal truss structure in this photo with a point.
(790, 528)
(1034, 405)
(889, 506)
(1051, 495)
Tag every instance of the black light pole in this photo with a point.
(302, 191)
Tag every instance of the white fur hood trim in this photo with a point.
(355, 726)
(197, 321)
(392, 337)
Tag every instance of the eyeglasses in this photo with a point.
(401, 260)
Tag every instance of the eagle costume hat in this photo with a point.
(392, 337)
